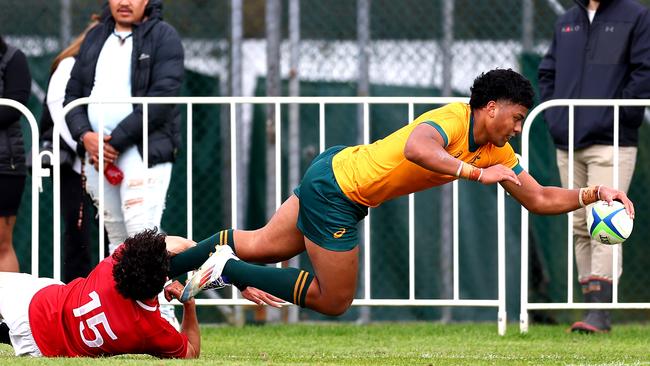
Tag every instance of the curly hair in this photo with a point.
(141, 267)
(501, 85)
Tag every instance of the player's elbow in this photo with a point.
(412, 153)
(193, 352)
(536, 206)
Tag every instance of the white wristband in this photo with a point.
(582, 204)
(480, 175)
(460, 167)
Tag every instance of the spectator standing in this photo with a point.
(15, 83)
(75, 203)
(600, 49)
(132, 52)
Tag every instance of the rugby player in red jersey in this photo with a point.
(113, 311)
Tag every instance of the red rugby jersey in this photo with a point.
(88, 317)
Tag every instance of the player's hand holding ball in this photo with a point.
(610, 195)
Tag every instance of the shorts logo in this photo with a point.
(339, 233)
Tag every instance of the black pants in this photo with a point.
(76, 240)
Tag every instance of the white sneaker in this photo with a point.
(167, 313)
(209, 274)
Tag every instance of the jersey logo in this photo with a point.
(474, 159)
(570, 28)
(339, 233)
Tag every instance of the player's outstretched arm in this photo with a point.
(548, 200)
(190, 324)
(190, 327)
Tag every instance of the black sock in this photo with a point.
(289, 284)
(4, 333)
(194, 257)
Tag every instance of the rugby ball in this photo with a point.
(609, 224)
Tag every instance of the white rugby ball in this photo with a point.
(609, 224)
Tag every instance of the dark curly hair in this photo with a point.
(141, 267)
(501, 85)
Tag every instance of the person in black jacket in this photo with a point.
(76, 206)
(15, 83)
(131, 52)
(600, 49)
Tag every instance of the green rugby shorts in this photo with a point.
(327, 216)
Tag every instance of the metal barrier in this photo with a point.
(37, 173)
(366, 300)
(571, 104)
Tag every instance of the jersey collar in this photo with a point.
(147, 307)
(472, 144)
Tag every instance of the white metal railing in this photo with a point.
(571, 104)
(37, 173)
(366, 300)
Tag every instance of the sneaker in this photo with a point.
(208, 276)
(4, 333)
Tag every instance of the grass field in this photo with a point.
(396, 344)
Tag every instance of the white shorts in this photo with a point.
(16, 292)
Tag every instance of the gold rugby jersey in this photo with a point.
(375, 173)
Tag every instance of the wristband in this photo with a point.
(588, 195)
(460, 167)
(469, 172)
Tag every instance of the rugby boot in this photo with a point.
(208, 276)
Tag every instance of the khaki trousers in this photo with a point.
(594, 165)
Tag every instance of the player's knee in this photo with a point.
(337, 305)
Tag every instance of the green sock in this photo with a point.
(194, 257)
(289, 284)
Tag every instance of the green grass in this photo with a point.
(396, 344)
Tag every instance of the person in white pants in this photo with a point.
(131, 52)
